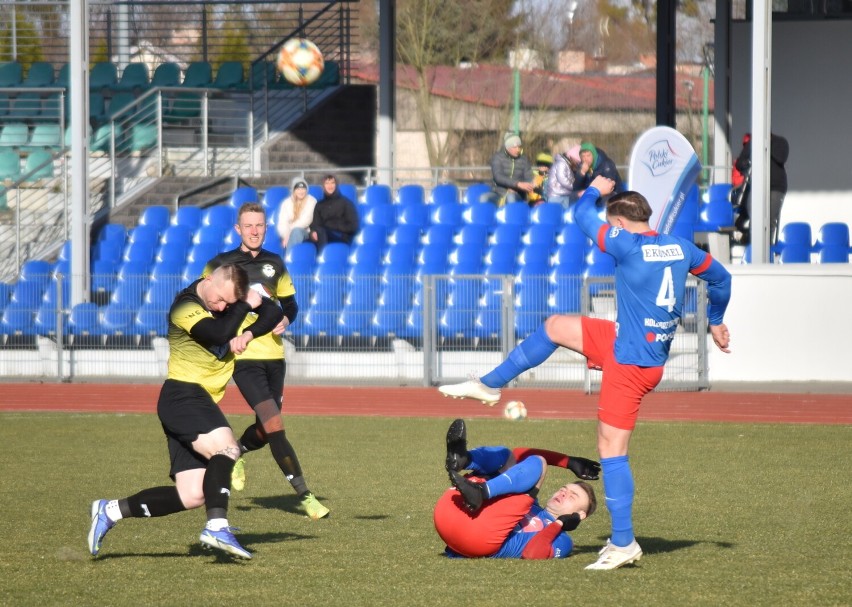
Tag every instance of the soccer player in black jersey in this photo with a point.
(206, 330)
(259, 371)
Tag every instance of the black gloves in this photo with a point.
(569, 521)
(586, 469)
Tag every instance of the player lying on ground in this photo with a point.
(493, 512)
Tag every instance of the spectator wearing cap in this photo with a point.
(511, 171)
(560, 181)
(296, 214)
(543, 162)
(335, 216)
(594, 162)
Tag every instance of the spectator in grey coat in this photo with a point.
(511, 171)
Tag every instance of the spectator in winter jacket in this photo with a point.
(511, 171)
(335, 216)
(594, 162)
(296, 214)
(560, 181)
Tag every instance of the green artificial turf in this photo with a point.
(727, 514)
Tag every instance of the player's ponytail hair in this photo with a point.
(630, 205)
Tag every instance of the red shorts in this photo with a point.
(622, 386)
(480, 533)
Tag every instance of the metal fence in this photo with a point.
(353, 329)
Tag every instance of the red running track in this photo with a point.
(427, 402)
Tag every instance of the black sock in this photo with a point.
(157, 501)
(252, 439)
(217, 486)
(285, 457)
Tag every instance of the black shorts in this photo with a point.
(186, 411)
(260, 380)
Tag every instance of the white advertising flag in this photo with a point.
(663, 168)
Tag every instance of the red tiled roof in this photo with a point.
(492, 85)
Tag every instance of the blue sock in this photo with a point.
(619, 489)
(520, 478)
(533, 351)
(487, 460)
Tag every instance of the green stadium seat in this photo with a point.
(26, 106)
(134, 79)
(63, 78)
(44, 136)
(229, 75)
(198, 74)
(166, 74)
(39, 165)
(103, 75)
(10, 165)
(11, 74)
(121, 101)
(143, 137)
(14, 134)
(39, 74)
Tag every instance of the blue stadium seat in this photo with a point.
(567, 292)
(162, 291)
(220, 215)
(439, 235)
(467, 259)
(832, 243)
(113, 232)
(448, 214)
(334, 259)
(381, 214)
(157, 216)
(480, 213)
(360, 306)
(507, 233)
(272, 242)
(394, 307)
(598, 264)
(401, 259)
(550, 213)
(405, 234)
(501, 259)
(433, 259)
(144, 233)
(117, 319)
(242, 195)
(371, 234)
(301, 259)
(541, 233)
(316, 190)
(414, 214)
(479, 193)
(51, 293)
(517, 213)
(569, 259)
(176, 233)
(795, 253)
(273, 197)
(571, 232)
(140, 252)
(35, 269)
(459, 318)
(377, 193)
(531, 300)
(104, 274)
(151, 321)
(84, 319)
(349, 191)
(411, 193)
(188, 216)
(796, 233)
(213, 234)
(444, 193)
(199, 255)
(715, 210)
(536, 257)
(131, 285)
(17, 321)
(326, 305)
(366, 260)
(46, 319)
(472, 234)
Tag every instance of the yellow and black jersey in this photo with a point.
(189, 360)
(267, 269)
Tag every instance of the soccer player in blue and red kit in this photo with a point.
(493, 512)
(650, 280)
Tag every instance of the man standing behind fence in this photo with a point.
(259, 371)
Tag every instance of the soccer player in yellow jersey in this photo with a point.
(259, 371)
(206, 330)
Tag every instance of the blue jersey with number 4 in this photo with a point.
(650, 281)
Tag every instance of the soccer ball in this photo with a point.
(300, 62)
(514, 410)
